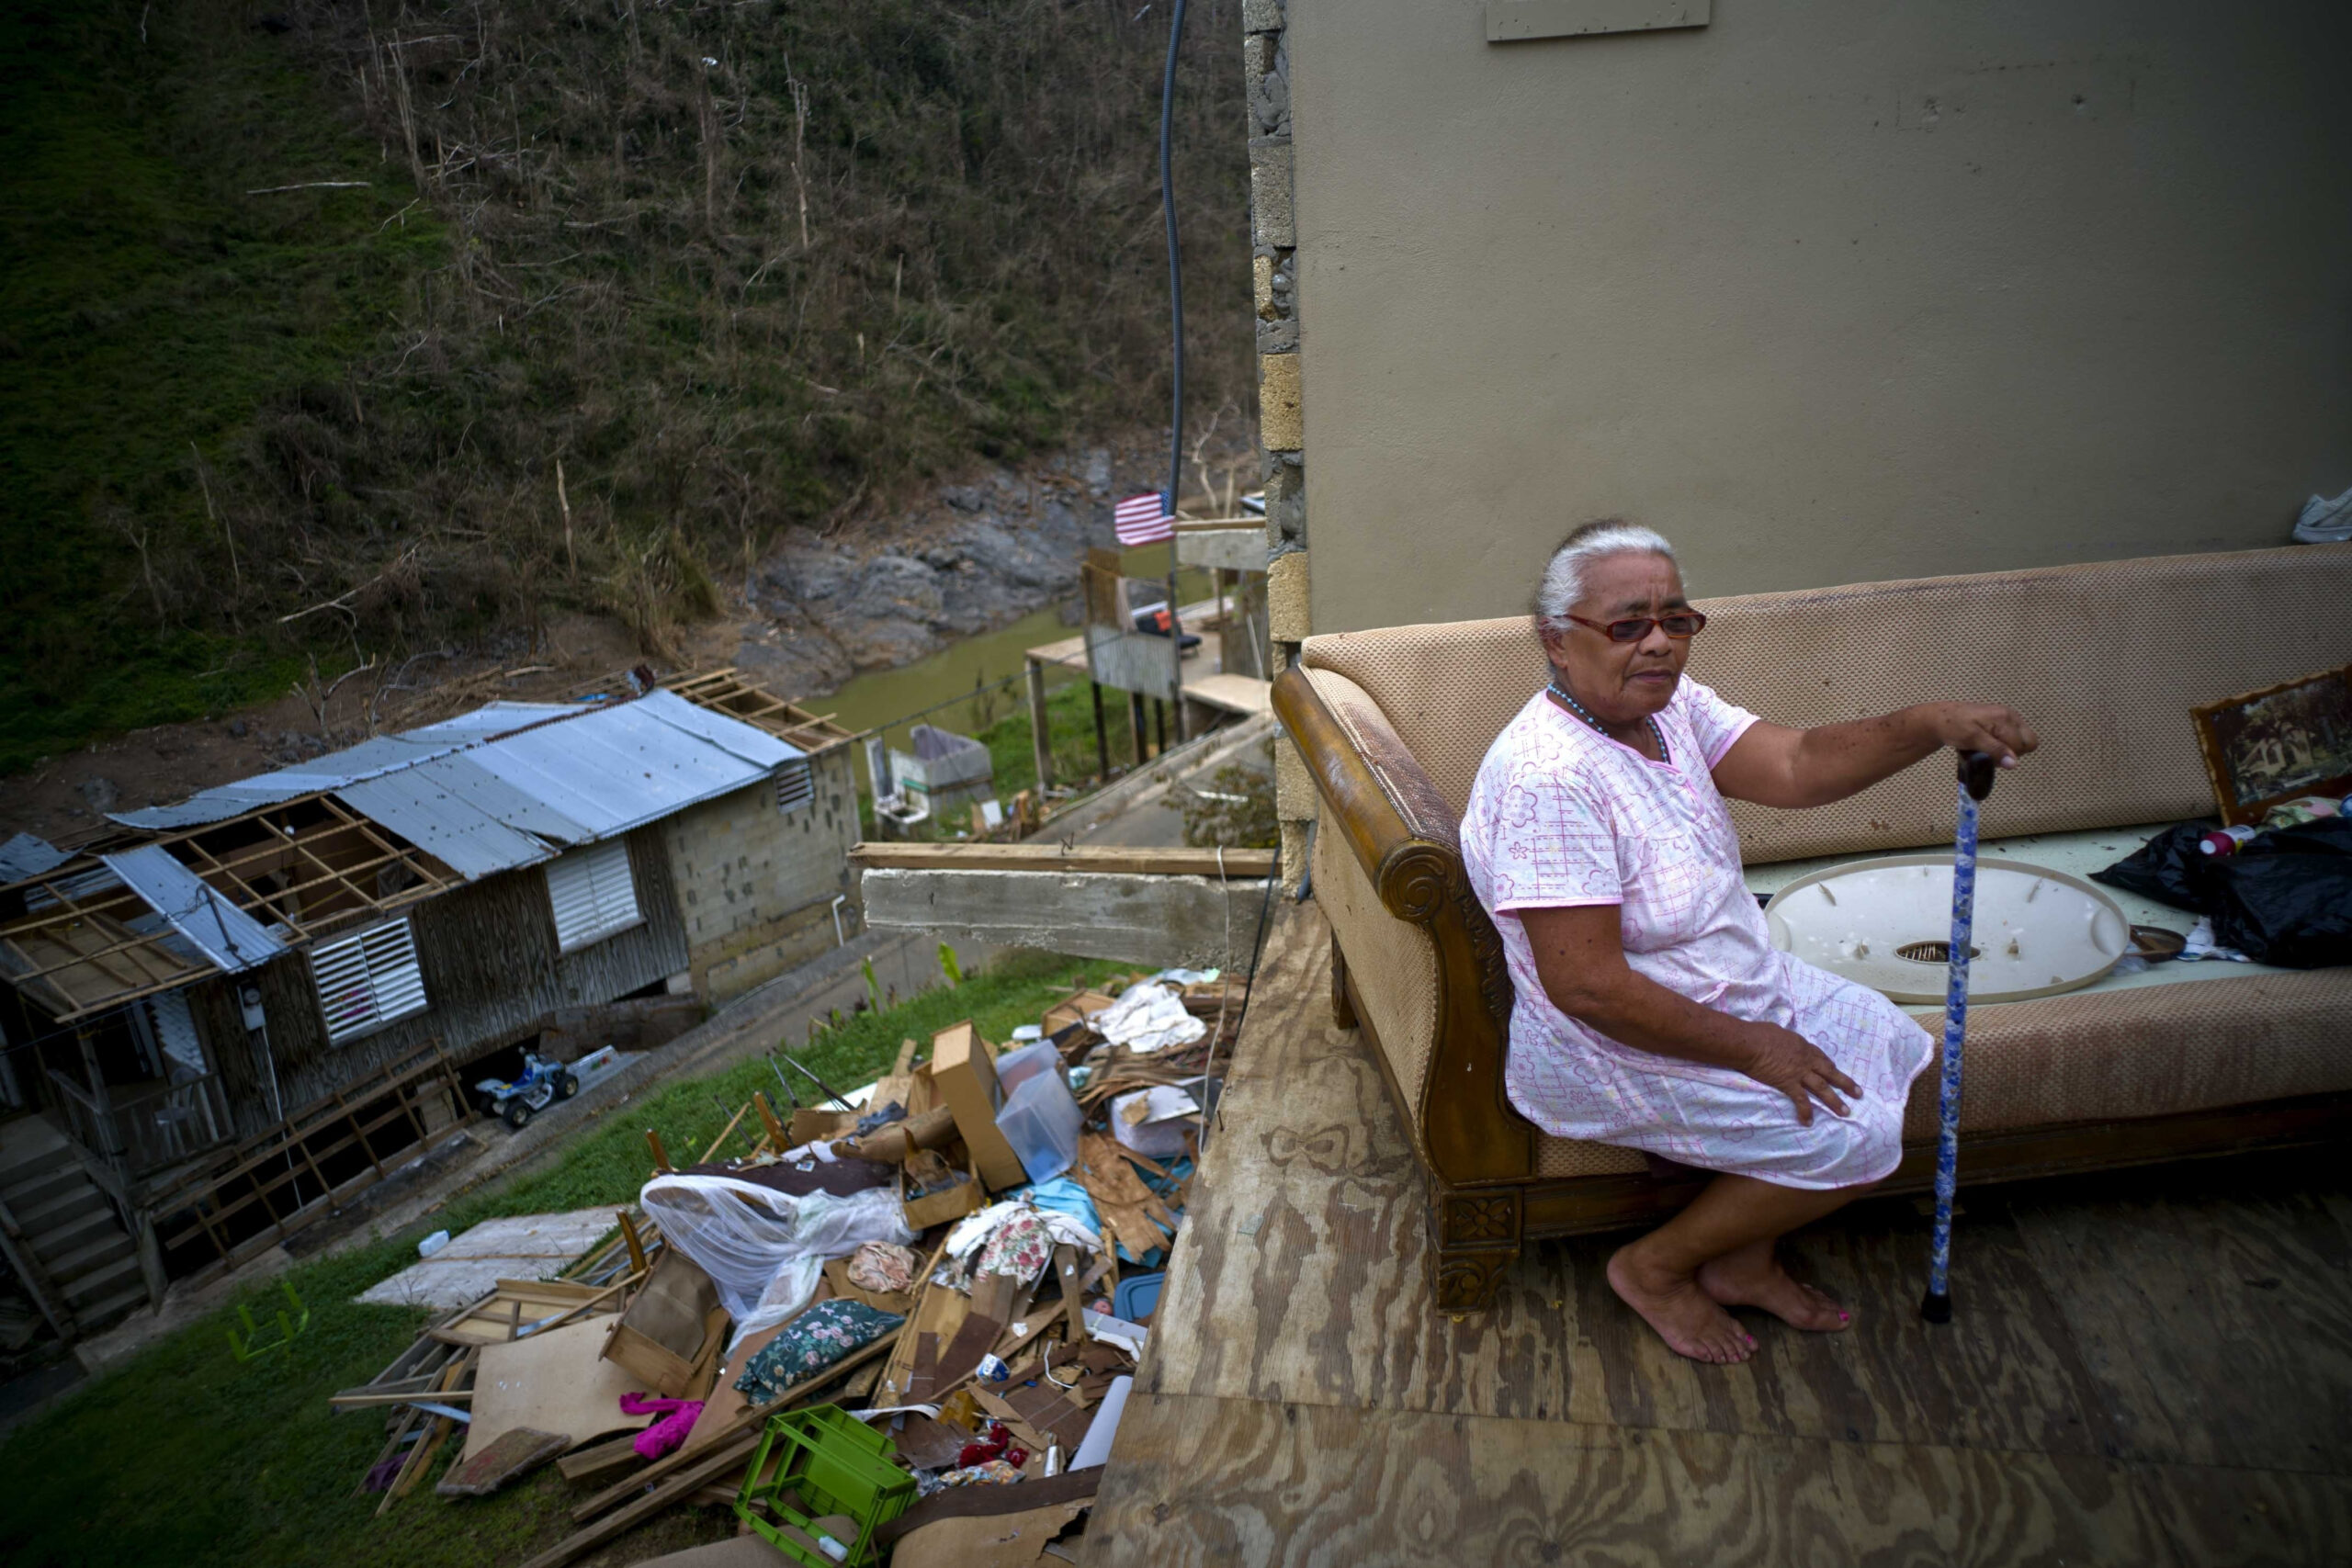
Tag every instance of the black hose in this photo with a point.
(1175, 265)
(1176, 317)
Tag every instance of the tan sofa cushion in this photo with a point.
(2106, 659)
(2150, 1051)
(2111, 1056)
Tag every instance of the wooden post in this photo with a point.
(768, 1119)
(150, 1261)
(1159, 727)
(635, 1244)
(1040, 742)
(1223, 629)
(1102, 735)
(661, 1166)
(110, 1136)
(1135, 724)
(1175, 630)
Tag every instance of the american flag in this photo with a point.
(1143, 519)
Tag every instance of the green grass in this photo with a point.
(183, 1456)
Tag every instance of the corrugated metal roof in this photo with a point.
(370, 759)
(419, 805)
(223, 934)
(731, 734)
(26, 855)
(510, 783)
(616, 768)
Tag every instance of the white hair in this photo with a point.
(1563, 582)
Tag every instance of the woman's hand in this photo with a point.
(1784, 1060)
(2000, 733)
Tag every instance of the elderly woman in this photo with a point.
(1652, 1009)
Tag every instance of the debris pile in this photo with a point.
(899, 1326)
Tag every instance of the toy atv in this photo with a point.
(543, 1083)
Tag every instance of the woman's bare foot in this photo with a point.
(1753, 1277)
(1685, 1317)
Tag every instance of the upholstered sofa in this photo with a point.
(2106, 660)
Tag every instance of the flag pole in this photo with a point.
(1176, 313)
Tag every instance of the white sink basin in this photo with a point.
(1886, 923)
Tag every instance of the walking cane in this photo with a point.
(1975, 783)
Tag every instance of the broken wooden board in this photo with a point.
(513, 1454)
(1162, 921)
(516, 1307)
(725, 1402)
(556, 1381)
(939, 1314)
(1119, 858)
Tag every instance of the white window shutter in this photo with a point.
(368, 979)
(796, 787)
(591, 893)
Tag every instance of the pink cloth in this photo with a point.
(1562, 815)
(677, 1419)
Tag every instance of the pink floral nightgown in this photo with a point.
(1560, 814)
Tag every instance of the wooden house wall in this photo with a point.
(492, 971)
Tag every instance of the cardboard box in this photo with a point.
(963, 1070)
(807, 1125)
(947, 1203)
(1074, 1009)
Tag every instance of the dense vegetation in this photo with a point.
(573, 304)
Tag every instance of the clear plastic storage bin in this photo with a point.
(1040, 1118)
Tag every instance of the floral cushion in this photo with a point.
(810, 1344)
(1021, 1246)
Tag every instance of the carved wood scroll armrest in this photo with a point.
(1404, 836)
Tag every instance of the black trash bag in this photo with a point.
(2168, 868)
(2285, 896)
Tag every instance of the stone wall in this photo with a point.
(1281, 410)
(756, 884)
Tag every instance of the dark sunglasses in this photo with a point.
(1683, 625)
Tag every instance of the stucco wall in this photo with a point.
(755, 885)
(1829, 292)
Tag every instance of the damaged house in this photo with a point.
(244, 1003)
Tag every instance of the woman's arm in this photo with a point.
(1772, 765)
(1580, 958)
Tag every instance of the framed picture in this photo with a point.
(2264, 747)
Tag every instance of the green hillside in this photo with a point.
(733, 268)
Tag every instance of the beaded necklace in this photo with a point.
(1578, 708)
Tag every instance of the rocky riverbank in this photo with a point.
(976, 556)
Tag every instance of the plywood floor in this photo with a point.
(2148, 1368)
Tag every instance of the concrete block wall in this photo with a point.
(1281, 427)
(755, 885)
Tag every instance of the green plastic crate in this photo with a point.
(836, 1464)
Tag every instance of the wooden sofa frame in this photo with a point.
(1485, 1201)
